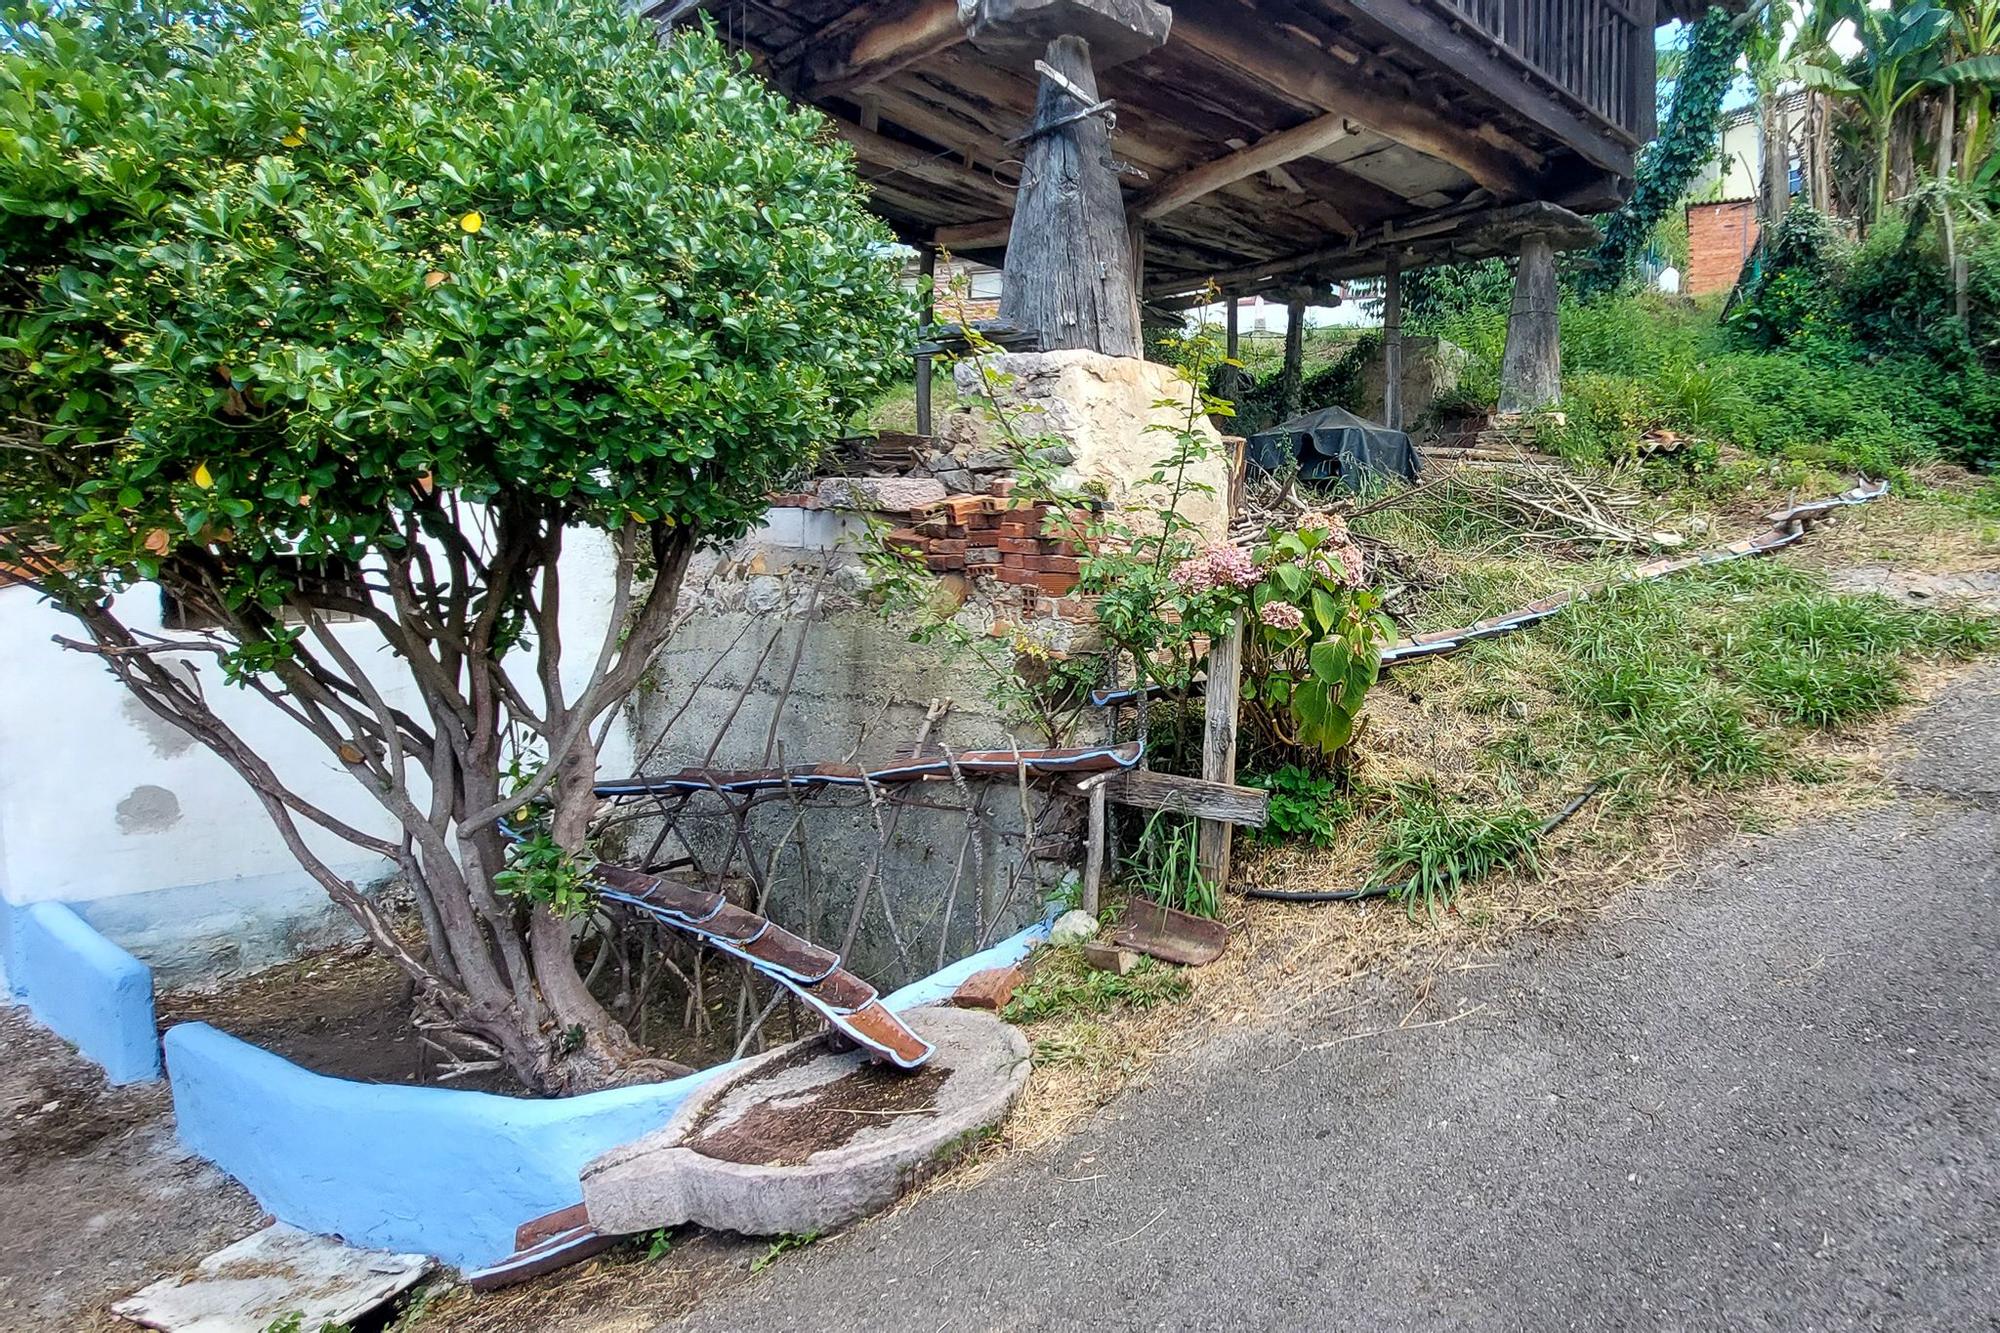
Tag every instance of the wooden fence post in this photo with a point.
(1218, 748)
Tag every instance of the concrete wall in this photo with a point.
(861, 692)
(155, 840)
(82, 987)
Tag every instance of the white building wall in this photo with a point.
(155, 839)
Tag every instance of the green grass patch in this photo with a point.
(1064, 984)
(1437, 844)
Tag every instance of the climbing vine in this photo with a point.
(1670, 162)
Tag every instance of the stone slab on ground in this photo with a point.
(1977, 590)
(269, 1276)
(807, 1139)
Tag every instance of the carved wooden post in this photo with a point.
(1069, 262)
(1531, 367)
(1392, 343)
(1071, 270)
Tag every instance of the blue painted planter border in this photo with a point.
(433, 1170)
(84, 988)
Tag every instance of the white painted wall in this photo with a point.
(100, 801)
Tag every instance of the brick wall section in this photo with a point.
(1720, 238)
(1032, 548)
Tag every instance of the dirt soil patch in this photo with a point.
(787, 1132)
(346, 1013)
(99, 1199)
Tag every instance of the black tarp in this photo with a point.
(1332, 445)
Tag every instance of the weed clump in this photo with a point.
(1438, 844)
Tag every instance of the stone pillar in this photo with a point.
(1531, 368)
(1291, 378)
(927, 271)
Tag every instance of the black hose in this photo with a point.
(1385, 890)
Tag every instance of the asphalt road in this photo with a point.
(1765, 1095)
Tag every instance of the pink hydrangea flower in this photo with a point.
(1281, 615)
(1217, 566)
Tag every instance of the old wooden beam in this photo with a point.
(1069, 262)
(1300, 72)
(1451, 48)
(908, 160)
(1218, 747)
(1531, 366)
(987, 235)
(891, 43)
(1142, 789)
(1273, 150)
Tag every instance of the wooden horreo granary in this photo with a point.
(1108, 151)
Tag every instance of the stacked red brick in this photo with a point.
(1720, 237)
(1028, 545)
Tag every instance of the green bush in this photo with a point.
(426, 291)
(1304, 805)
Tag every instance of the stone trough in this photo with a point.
(805, 1138)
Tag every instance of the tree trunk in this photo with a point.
(1776, 187)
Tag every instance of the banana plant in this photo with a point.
(1975, 33)
(1894, 65)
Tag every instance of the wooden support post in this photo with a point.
(1531, 367)
(927, 266)
(1291, 380)
(1230, 338)
(1392, 342)
(1100, 830)
(1218, 746)
(1135, 241)
(1069, 262)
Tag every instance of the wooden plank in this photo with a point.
(1273, 150)
(1142, 789)
(1100, 830)
(1218, 748)
(973, 235)
(1315, 78)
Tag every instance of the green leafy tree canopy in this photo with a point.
(414, 292)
